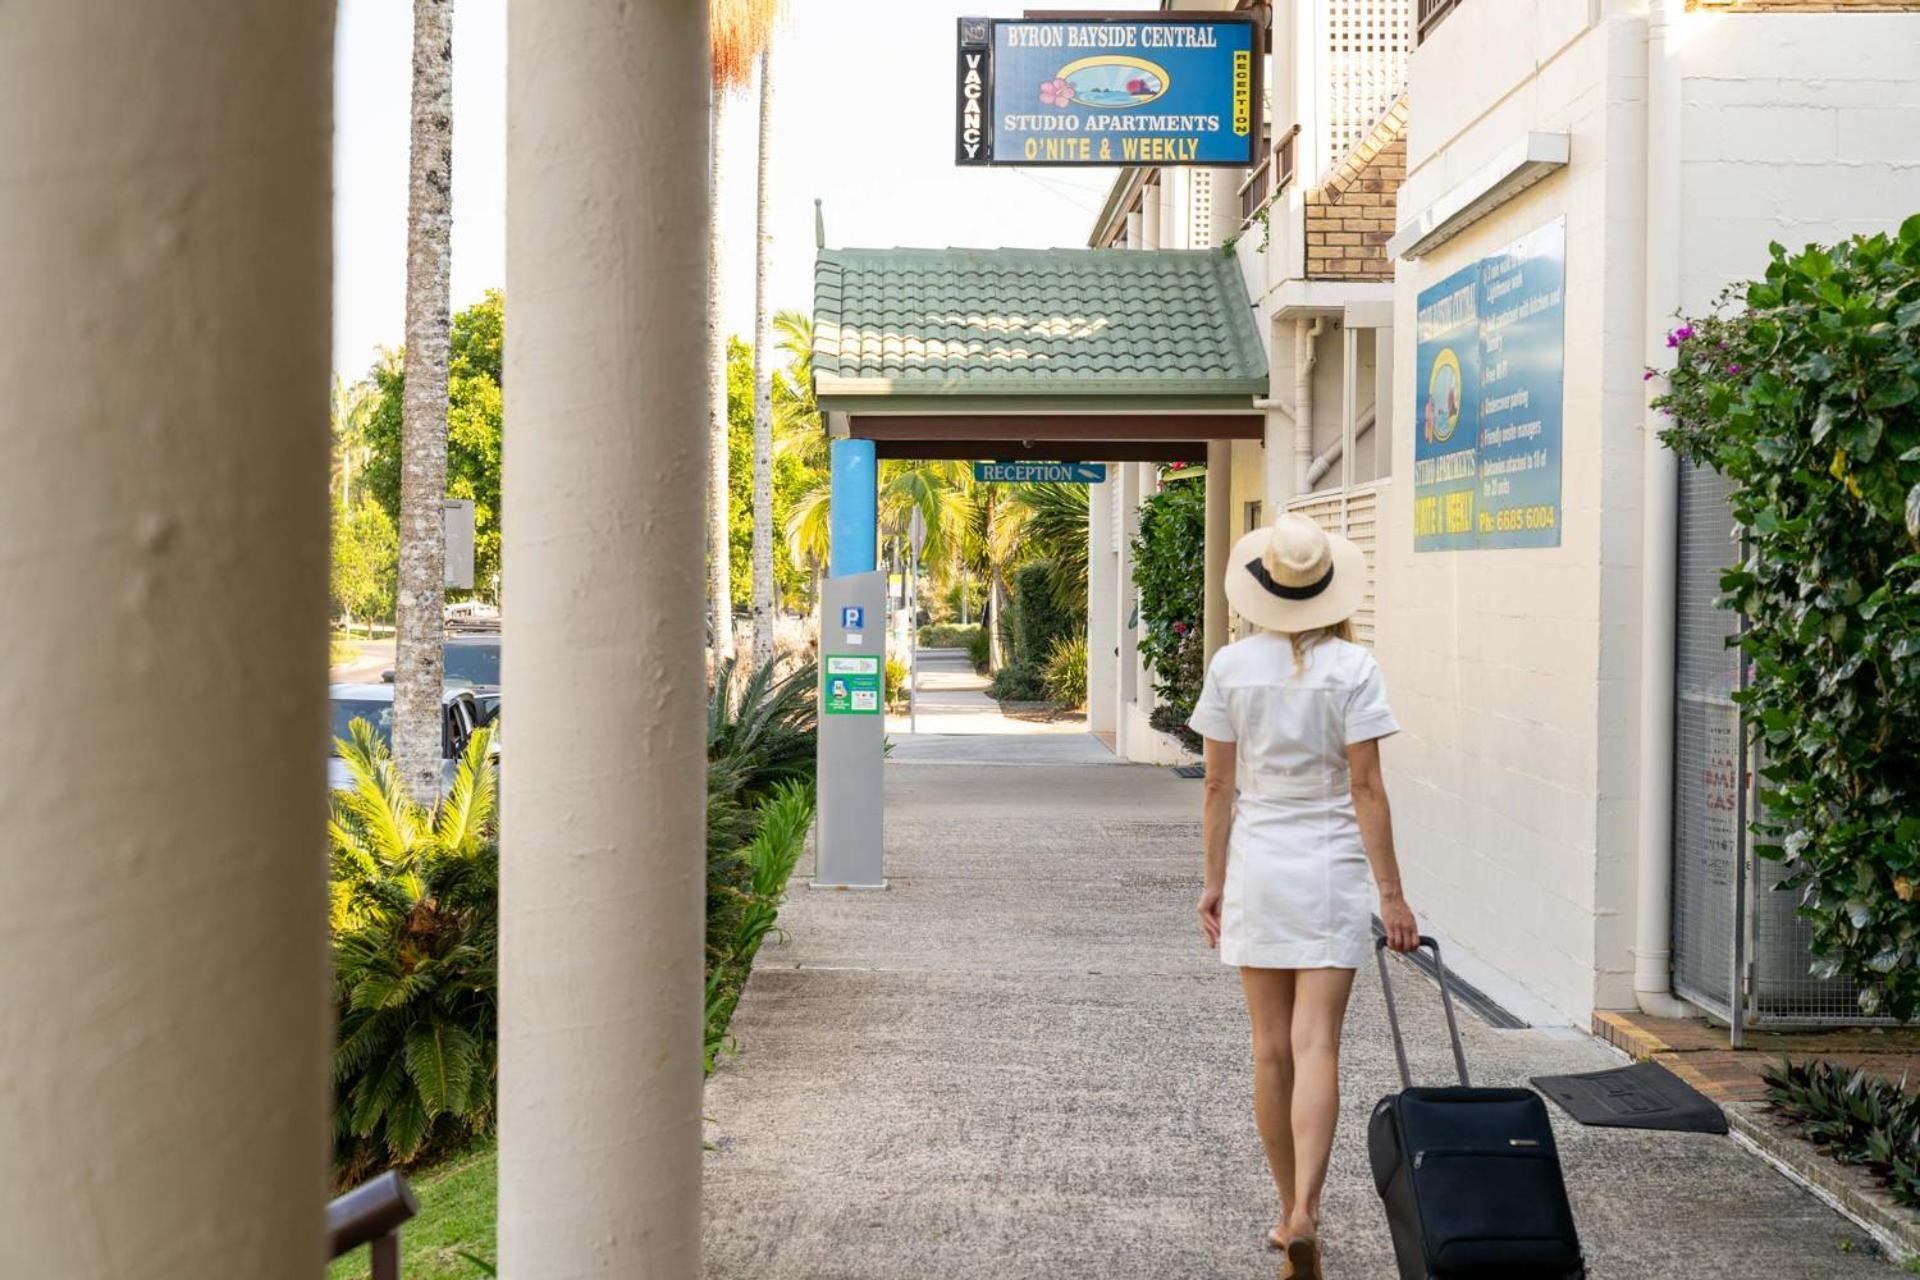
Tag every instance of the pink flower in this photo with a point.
(1055, 93)
(1680, 335)
(1179, 628)
(1647, 376)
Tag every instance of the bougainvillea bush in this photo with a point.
(1804, 390)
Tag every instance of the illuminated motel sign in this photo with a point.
(1098, 89)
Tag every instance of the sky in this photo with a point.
(863, 119)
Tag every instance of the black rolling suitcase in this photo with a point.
(1470, 1177)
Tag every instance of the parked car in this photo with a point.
(472, 661)
(373, 703)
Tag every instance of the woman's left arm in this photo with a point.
(1216, 824)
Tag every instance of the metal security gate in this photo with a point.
(1728, 916)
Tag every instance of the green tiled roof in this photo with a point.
(1034, 322)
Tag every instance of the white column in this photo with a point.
(1215, 622)
(1103, 620)
(164, 347)
(1152, 210)
(1146, 484)
(1127, 662)
(603, 886)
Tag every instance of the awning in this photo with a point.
(1046, 354)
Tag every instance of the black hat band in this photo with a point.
(1308, 592)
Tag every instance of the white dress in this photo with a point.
(1297, 893)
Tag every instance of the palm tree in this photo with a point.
(352, 406)
(763, 591)
(737, 31)
(1056, 531)
(419, 613)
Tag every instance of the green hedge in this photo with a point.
(1806, 394)
(1170, 570)
(949, 635)
(1039, 618)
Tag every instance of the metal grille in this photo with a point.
(1431, 11)
(1711, 773)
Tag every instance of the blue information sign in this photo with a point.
(1040, 472)
(1160, 89)
(1486, 450)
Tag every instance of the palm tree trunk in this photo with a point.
(996, 650)
(763, 611)
(719, 491)
(419, 615)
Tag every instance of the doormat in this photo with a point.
(1643, 1096)
(1189, 771)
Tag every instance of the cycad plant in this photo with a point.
(415, 943)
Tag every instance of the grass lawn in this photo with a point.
(456, 1213)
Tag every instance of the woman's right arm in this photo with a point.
(1216, 825)
(1376, 833)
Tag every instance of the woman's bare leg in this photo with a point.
(1270, 1003)
(1319, 1008)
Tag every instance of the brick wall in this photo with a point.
(1350, 215)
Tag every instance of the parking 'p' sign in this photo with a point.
(853, 617)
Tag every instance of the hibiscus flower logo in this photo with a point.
(1055, 93)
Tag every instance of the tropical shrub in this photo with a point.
(415, 942)
(1856, 1118)
(761, 731)
(1065, 673)
(949, 635)
(1170, 571)
(761, 739)
(782, 821)
(895, 678)
(1805, 392)
(1018, 683)
(979, 650)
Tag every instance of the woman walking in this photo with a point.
(1295, 813)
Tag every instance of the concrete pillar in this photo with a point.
(164, 353)
(1152, 219)
(1128, 660)
(603, 885)
(1216, 623)
(1103, 620)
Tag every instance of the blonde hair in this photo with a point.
(1305, 640)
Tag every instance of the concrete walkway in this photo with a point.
(960, 724)
(1021, 1061)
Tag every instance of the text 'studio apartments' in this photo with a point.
(1564, 787)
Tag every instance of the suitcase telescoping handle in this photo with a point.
(1393, 1016)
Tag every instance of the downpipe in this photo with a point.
(1659, 546)
(1306, 354)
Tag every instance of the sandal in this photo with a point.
(1303, 1258)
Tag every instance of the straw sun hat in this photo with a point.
(1294, 576)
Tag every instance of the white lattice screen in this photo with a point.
(1367, 42)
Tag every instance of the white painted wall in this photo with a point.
(1516, 672)
(1795, 127)
(1510, 670)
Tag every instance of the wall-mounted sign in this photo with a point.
(1487, 406)
(1040, 472)
(1109, 89)
(852, 683)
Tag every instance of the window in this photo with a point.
(1252, 518)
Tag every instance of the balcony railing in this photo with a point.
(1270, 176)
(372, 1214)
(1431, 12)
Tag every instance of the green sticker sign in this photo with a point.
(852, 684)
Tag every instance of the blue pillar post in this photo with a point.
(852, 527)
